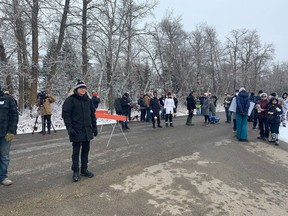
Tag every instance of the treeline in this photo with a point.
(48, 45)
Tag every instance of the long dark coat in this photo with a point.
(191, 104)
(79, 113)
(155, 106)
(242, 103)
(125, 105)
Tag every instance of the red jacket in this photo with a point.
(263, 105)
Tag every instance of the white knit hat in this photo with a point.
(242, 89)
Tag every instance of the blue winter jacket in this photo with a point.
(242, 103)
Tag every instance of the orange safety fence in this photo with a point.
(105, 115)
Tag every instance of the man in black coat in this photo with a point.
(78, 113)
(155, 110)
(191, 105)
(8, 126)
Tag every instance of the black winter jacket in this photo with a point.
(155, 106)
(8, 115)
(191, 104)
(242, 103)
(78, 113)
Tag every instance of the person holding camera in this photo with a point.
(8, 126)
(80, 121)
(45, 110)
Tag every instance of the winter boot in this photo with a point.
(188, 122)
(44, 129)
(166, 124)
(76, 176)
(273, 138)
(86, 173)
(276, 139)
(159, 126)
(49, 128)
(171, 124)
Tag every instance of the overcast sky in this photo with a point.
(268, 17)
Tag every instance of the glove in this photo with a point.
(9, 137)
(95, 132)
(71, 132)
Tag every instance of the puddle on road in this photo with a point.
(202, 193)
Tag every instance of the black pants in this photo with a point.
(264, 127)
(46, 118)
(168, 116)
(274, 127)
(153, 119)
(143, 113)
(84, 155)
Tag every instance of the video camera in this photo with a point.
(42, 96)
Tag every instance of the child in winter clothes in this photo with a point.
(274, 112)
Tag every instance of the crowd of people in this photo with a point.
(266, 113)
(78, 112)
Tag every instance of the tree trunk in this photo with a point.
(35, 54)
(4, 65)
(59, 45)
(84, 41)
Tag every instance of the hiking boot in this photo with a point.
(7, 182)
(171, 125)
(87, 173)
(127, 127)
(76, 176)
(159, 126)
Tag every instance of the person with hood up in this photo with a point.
(242, 107)
(274, 113)
(78, 113)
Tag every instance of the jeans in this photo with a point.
(84, 155)
(4, 158)
(148, 114)
(228, 114)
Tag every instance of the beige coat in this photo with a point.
(46, 108)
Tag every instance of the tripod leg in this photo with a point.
(34, 127)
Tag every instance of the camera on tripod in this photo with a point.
(42, 96)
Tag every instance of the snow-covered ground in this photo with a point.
(27, 121)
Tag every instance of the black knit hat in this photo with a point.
(273, 94)
(79, 84)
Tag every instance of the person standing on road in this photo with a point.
(78, 113)
(125, 104)
(242, 107)
(262, 109)
(155, 110)
(191, 105)
(227, 101)
(205, 109)
(44, 101)
(274, 113)
(169, 107)
(8, 125)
